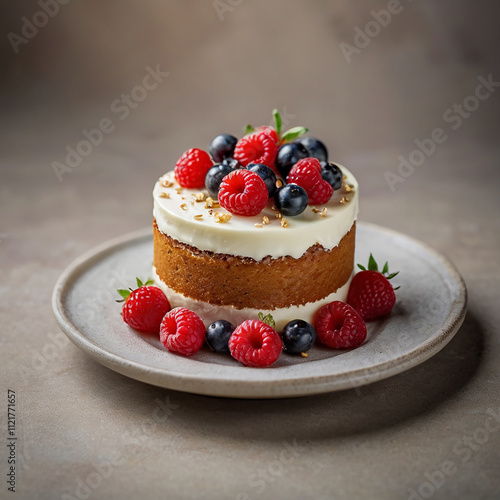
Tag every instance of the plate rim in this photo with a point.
(252, 389)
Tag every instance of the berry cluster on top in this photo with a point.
(264, 164)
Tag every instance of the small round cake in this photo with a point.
(232, 267)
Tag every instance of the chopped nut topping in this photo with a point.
(323, 212)
(304, 354)
(273, 208)
(183, 206)
(258, 225)
(198, 197)
(278, 215)
(284, 223)
(166, 184)
(348, 188)
(315, 210)
(211, 203)
(164, 195)
(198, 216)
(345, 200)
(265, 220)
(221, 218)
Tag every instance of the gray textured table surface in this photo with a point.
(85, 431)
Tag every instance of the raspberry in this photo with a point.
(307, 173)
(371, 294)
(192, 167)
(243, 192)
(144, 308)
(270, 131)
(255, 343)
(339, 326)
(258, 147)
(182, 331)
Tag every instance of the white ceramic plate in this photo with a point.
(430, 308)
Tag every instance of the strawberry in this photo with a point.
(370, 292)
(145, 307)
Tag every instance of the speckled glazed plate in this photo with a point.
(430, 308)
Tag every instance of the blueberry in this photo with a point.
(291, 199)
(218, 334)
(331, 173)
(232, 162)
(288, 155)
(314, 147)
(214, 178)
(266, 174)
(222, 146)
(298, 336)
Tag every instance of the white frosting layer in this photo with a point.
(175, 211)
(210, 313)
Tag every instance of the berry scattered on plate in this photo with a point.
(255, 343)
(339, 326)
(182, 331)
(218, 334)
(144, 307)
(370, 292)
(298, 336)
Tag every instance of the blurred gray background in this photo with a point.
(229, 63)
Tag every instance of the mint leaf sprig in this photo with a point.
(267, 319)
(288, 136)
